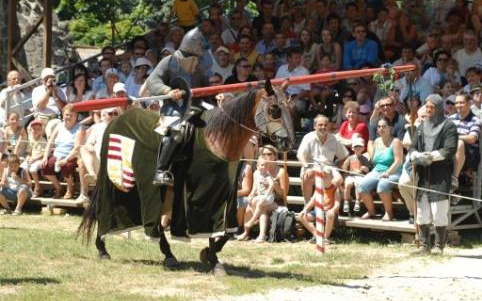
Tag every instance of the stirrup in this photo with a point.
(163, 178)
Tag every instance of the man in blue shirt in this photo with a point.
(359, 51)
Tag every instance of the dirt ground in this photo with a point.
(456, 276)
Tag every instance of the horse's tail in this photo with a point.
(89, 218)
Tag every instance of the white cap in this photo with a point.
(223, 49)
(118, 87)
(47, 72)
(357, 141)
(112, 71)
(142, 61)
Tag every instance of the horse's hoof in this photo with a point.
(219, 270)
(170, 262)
(203, 255)
(105, 256)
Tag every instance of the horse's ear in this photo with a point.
(285, 84)
(269, 87)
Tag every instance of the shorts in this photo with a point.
(472, 158)
(372, 181)
(355, 180)
(242, 201)
(33, 167)
(66, 171)
(11, 194)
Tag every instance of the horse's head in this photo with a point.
(273, 118)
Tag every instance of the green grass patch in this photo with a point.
(40, 259)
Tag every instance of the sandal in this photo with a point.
(68, 195)
(243, 238)
(387, 218)
(36, 193)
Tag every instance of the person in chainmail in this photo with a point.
(433, 153)
(183, 63)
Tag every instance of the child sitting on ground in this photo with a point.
(14, 186)
(356, 164)
(262, 192)
(35, 152)
(331, 201)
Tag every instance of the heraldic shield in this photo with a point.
(119, 162)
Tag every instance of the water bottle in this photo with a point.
(57, 165)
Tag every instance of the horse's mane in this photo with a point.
(219, 125)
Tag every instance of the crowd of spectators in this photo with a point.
(289, 38)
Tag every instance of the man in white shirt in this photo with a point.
(221, 63)
(470, 55)
(322, 147)
(48, 99)
(300, 93)
(14, 79)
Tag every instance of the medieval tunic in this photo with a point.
(205, 197)
(437, 176)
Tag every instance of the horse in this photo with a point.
(208, 172)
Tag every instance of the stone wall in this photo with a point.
(28, 12)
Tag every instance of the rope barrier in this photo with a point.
(297, 163)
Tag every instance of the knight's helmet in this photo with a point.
(192, 43)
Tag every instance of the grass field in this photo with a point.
(40, 259)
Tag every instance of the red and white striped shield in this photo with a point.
(119, 162)
(319, 210)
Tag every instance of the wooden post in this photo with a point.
(47, 51)
(12, 16)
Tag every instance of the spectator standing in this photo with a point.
(359, 51)
(186, 12)
(322, 147)
(230, 34)
(387, 158)
(14, 79)
(434, 148)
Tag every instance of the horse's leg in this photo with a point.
(170, 260)
(208, 255)
(100, 245)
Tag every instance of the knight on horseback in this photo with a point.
(174, 76)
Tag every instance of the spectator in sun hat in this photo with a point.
(449, 108)
(141, 72)
(48, 99)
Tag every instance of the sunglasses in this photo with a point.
(115, 113)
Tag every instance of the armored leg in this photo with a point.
(167, 150)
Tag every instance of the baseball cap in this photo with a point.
(357, 141)
(111, 71)
(475, 88)
(450, 99)
(142, 61)
(223, 49)
(118, 87)
(47, 72)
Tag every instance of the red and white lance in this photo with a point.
(99, 104)
(319, 210)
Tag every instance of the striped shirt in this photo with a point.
(470, 125)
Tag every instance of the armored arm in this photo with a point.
(156, 83)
